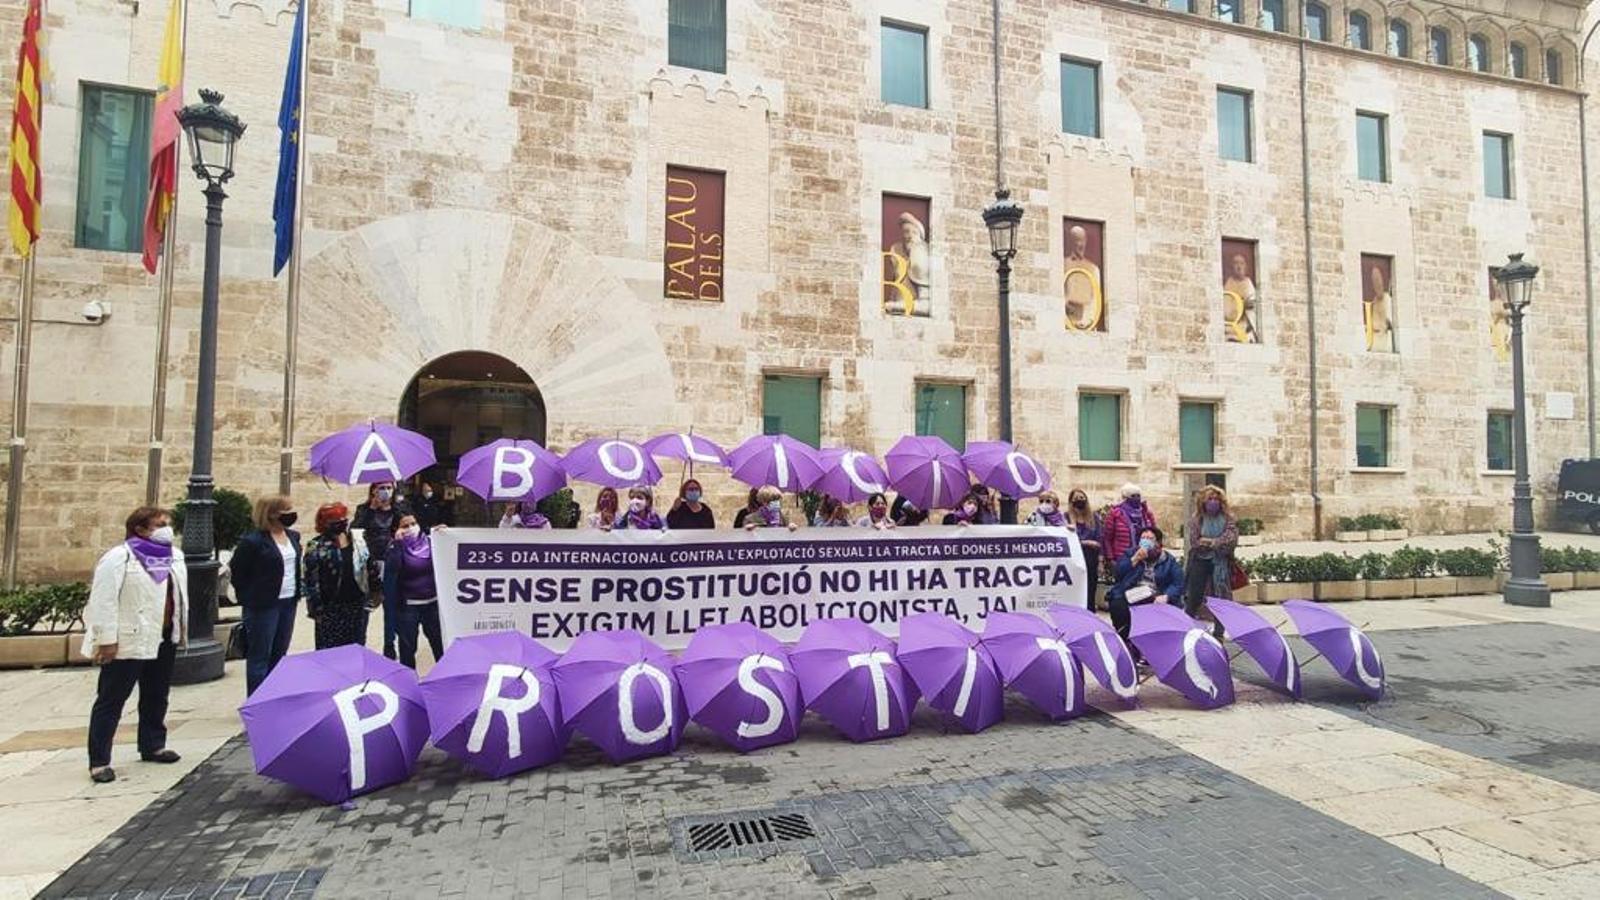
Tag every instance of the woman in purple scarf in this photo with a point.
(1124, 522)
(641, 514)
(524, 515)
(408, 584)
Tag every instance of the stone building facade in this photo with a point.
(489, 177)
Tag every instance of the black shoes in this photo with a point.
(161, 756)
(103, 775)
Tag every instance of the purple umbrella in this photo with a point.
(1264, 643)
(739, 683)
(611, 462)
(850, 476)
(950, 665)
(849, 676)
(1185, 656)
(492, 703)
(928, 472)
(1006, 469)
(336, 723)
(1035, 658)
(1101, 650)
(511, 470)
(371, 452)
(776, 459)
(617, 689)
(1349, 651)
(687, 446)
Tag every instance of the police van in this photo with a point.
(1578, 493)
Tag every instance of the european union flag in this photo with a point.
(289, 118)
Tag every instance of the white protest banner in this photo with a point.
(555, 585)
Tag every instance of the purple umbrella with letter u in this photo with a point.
(849, 676)
(1101, 650)
(927, 471)
(1264, 643)
(492, 703)
(738, 682)
(789, 465)
(1006, 469)
(617, 689)
(951, 666)
(612, 463)
(1185, 656)
(1349, 651)
(1034, 658)
(372, 452)
(511, 470)
(850, 476)
(336, 723)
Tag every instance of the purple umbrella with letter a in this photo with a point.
(950, 665)
(617, 689)
(849, 676)
(789, 465)
(1034, 657)
(1101, 650)
(492, 703)
(612, 463)
(739, 683)
(511, 470)
(1006, 469)
(1349, 651)
(1264, 643)
(1185, 656)
(370, 453)
(687, 446)
(927, 471)
(336, 723)
(850, 476)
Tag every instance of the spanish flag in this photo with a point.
(164, 137)
(25, 118)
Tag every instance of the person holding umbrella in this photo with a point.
(1146, 574)
(409, 587)
(688, 512)
(877, 514)
(336, 579)
(752, 506)
(832, 513)
(965, 514)
(524, 515)
(641, 515)
(604, 517)
(769, 512)
(905, 514)
(265, 573)
(377, 519)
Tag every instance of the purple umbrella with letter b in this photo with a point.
(1034, 657)
(738, 682)
(1264, 643)
(927, 471)
(789, 465)
(370, 453)
(617, 689)
(511, 470)
(951, 666)
(492, 703)
(1185, 656)
(1101, 650)
(849, 676)
(1008, 470)
(1349, 651)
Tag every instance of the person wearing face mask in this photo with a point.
(1124, 522)
(905, 514)
(408, 585)
(1208, 559)
(1087, 523)
(377, 519)
(770, 511)
(265, 572)
(752, 505)
(133, 625)
(641, 514)
(831, 513)
(604, 517)
(877, 514)
(688, 512)
(336, 579)
(524, 515)
(965, 514)
(1146, 574)
(430, 510)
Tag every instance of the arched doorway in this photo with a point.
(465, 400)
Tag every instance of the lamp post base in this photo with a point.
(1526, 592)
(1525, 587)
(201, 661)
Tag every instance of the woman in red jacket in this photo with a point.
(1123, 523)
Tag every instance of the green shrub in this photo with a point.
(231, 518)
(1248, 527)
(1348, 523)
(43, 609)
(560, 509)
(1467, 562)
(1410, 562)
(1373, 565)
(1582, 559)
(1560, 559)
(1332, 567)
(1282, 567)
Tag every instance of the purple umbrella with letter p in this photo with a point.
(1349, 651)
(1265, 644)
(336, 723)
(927, 471)
(739, 683)
(1101, 650)
(612, 463)
(492, 703)
(850, 476)
(369, 453)
(1008, 470)
(1034, 657)
(617, 689)
(789, 465)
(509, 470)
(1185, 656)
(951, 666)
(849, 676)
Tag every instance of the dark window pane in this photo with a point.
(1100, 427)
(1080, 97)
(1228, 10)
(1371, 150)
(1497, 165)
(792, 405)
(1372, 436)
(1517, 58)
(113, 169)
(1478, 53)
(1439, 42)
(1500, 425)
(1552, 66)
(1233, 125)
(905, 65)
(1272, 15)
(1360, 31)
(942, 411)
(1197, 432)
(697, 34)
(1181, 5)
(1316, 21)
(1399, 39)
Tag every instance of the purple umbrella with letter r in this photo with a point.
(1035, 658)
(617, 689)
(511, 470)
(849, 676)
(1264, 643)
(1349, 651)
(951, 666)
(789, 465)
(1101, 650)
(927, 471)
(492, 703)
(1185, 656)
(1008, 470)
(370, 453)
(739, 683)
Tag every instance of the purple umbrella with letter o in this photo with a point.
(1264, 643)
(950, 666)
(1349, 651)
(1006, 469)
(369, 453)
(492, 703)
(617, 689)
(1101, 650)
(612, 463)
(1035, 658)
(789, 465)
(849, 676)
(336, 723)
(738, 682)
(511, 470)
(927, 471)
(850, 476)
(1185, 656)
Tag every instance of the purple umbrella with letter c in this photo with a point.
(1101, 650)
(492, 703)
(849, 676)
(1264, 643)
(370, 453)
(1185, 656)
(612, 463)
(617, 689)
(1034, 657)
(1348, 649)
(789, 465)
(927, 471)
(509, 469)
(1008, 470)
(738, 682)
(951, 666)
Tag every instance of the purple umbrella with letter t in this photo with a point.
(511, 470)
(849, 676)
(951, 666)
(492, 703)
(739, 683)
(789, 465)
(370, 453)
(617, 689)
(1034, 657)
(1008, 470)
(336, 723)
(927, 471)
(1185, 656)
(1101, 650)
(1264, 643)
(1349, 651)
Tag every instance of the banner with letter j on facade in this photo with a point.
(555, 585)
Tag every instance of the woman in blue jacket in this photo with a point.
(1147, 573)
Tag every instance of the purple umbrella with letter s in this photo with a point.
(1347, 648)
(738, 682)
(509, 470)
(789, 465)
(951, 666)
(850, 476)
(618, 689)
(927, 471)
(1265, 644)
(1101, 650)
(849, 676)
(1035, 658)
(1008, 470)
(336, 723)
(1185, 656)
(492, 703)
(369, 453)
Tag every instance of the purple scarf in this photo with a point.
(155, 558)
(1055, 518)
(771, 517)
(533, 519)
(1135, 514)
(647, 520)
(418, 547)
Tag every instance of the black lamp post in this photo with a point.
(1002, 218)
(1525, 587)
(212, 132)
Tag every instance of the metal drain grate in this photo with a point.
(746, 832)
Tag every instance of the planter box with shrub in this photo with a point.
(27, 651)
(1478, 584)
(1250, 532)
(1248, 595)
(1391, 588)
(1473, 569)
(1586, 579)
(1560, 581)
(1391, 534)
(1279, 591)
(1438, 586)
(1341, 590)
(36, 624)
(1350, 537)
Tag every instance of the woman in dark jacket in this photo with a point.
(336, 579)
(377, 519)
(1147, 573)
(409, 588)
(265, 572)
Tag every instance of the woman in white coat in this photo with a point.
(133, 624)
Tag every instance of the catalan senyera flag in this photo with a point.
(164, 138)
(25, 119)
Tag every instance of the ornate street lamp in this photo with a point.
(212, 132)
(1002, 218)
(1525, 587)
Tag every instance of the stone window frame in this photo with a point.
(1215, 402)
(1249, 95)
(1386, 171)
(1455, 30)
(1289, 17)
(1510, 163)
(1351, 12)
(1513, 48)
(1124, 405)
(1242, 9)
(1566, 53)
(1329, 21)
(1494, 41)
(820, 376)
(1416, 23)
(923, 28)
(1099, 94)
(1392, 448)
(1488, 414)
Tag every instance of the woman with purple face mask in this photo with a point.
(965, 514)
(641, 514)
(1213, 534)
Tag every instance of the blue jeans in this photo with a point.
(267, 631)
(412, 617)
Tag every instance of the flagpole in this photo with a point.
(169, 243)
(19, 417)
(291, 336)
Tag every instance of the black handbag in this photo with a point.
(237, 647)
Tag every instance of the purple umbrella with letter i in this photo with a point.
(1008, 470)
(612, 463)
(617, 689)
(1035, 659)
(1264, 643)
(927, 471)
(511, 470)
(1349, 651)
(951, 666)
(739, 683)
(492, 703)
(1101, 650)
(849, 676)
(369, 453)
(789, 465)
(1185, 656)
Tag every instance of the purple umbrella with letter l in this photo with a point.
(789, 465)
(511, 470)
(336, 723)
(687, 446)
(371, 452)
(1035, 658)
(1185, 656)
(1349, 651)
(1006, 469)
(1264, 643)
(849, 676)
(617, 689)
(850, 476)
(950, 665)
(1101, 650)
(492, 703)
(739, 683)
(927, 471)
(612, 463)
